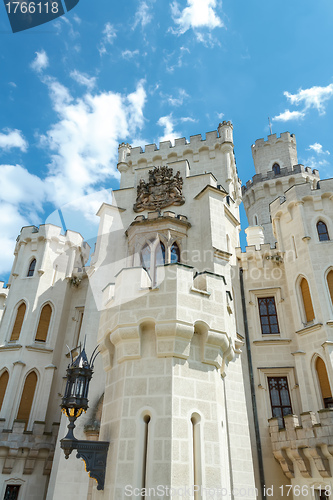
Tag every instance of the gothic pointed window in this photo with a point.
(322, 231)
(27, 397)
(268, 316)
(324, 383)
(145, 257)
(276, 169)
(3, 386)
(160, 254)
(44, 323)
(18, 323)
(31, 269)
(307, 301)
(175, 253)
(280, 398)
(330, 284)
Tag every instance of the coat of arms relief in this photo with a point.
(162, 189)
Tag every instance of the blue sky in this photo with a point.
(145, 71)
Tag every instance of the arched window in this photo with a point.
(27, 397)
(322, 231)
(44, 322)
(276, 169)
(3, 386)
(324, 383)
(307, 302)
(32, 268)
(18, 322)
(175, 253)
(330, 284)
(160, 254)
(145, 257)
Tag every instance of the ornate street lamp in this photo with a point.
(74, 402)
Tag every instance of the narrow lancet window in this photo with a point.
(31, 269)
(196, 447)
(175, 253)
(18, 323)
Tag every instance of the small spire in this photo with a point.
(270, 125)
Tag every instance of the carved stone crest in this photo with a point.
(162, 189)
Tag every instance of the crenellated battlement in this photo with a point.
(223, 134)
(272, 140)
(279, 151)
(48, 232)
(3, 289)
(284, 172)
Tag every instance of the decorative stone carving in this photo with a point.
(162, 189)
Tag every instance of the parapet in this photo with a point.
(268, 176)
(304, 445)
(273, 139)
(281, 150)
(49, 231)
(223, 134)
(3, 289)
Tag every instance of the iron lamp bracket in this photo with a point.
(93, 453)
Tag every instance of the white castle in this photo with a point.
(216, 374)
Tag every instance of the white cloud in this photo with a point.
(220, 115)
(84, 141)
(13, 139)
(169, 133)
(40, 62)
(129, 54)
(314, 97)
(143, 15)
(11, 221)
(288, 115)
(19, 187)
(21, 193)
(177, 101)
(176, 62)
(324, 167)
(109, 34)
(186, 119)
(318, 148)
(83, 79)
(197, 15)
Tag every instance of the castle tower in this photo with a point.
(44, 312)
(174, 407)
(277, 170)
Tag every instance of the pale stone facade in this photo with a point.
(301, 454)
(163, 298)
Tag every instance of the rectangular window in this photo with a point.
(321, 495)
(79, 311)
(12, 492)
(280, 398)
(268, 316)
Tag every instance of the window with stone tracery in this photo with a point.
(12, 491)
(280, 398)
